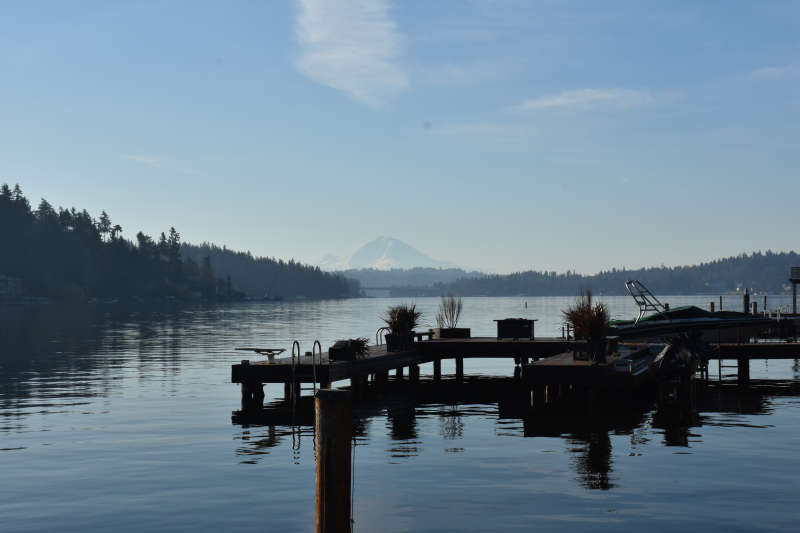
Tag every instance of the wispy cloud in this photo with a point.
(144, 159)
(465, 74)
(585, 99)
(352, 46)
(776, 72)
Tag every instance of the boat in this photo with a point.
(664, 322)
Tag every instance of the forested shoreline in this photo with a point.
(67, 254)
(766, 272)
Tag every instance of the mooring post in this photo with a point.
(794, 298)
(333, 412)
(755, 308)
(711, 306)
(746, 300)
(764, 307)
(437, 369)
(720, 302)
(459, 368)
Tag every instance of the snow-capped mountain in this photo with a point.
(384, 253)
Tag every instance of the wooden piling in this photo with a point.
(413, 372)
(755, 308)
(333, 433)
(437, 369)
(711, 306)
(459, 368)
(399, 372)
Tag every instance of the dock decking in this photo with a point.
(378, 360)
(552, 358)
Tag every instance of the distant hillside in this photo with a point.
(761, 272)
(264, 277)
(414, 277)
(384, 253)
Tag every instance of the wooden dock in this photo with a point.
(552, 363)
(755, 350)
(627, 367)
(305, 368)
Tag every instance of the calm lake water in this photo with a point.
(121, 419)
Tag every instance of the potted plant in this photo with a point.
(349, 349)
(401, 319)
(447, 319)
(589, 322)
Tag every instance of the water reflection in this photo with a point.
(591, 457)
(587, 435)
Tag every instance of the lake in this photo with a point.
(117, 418)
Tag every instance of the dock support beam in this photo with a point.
(290, 389)
(333, 432)
(437, 369)
(460, 368)
(743, 370)
(252, 394)
(358, 386)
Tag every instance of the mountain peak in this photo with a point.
(384, 253)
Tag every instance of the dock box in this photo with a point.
(515, 328)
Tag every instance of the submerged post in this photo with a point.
(333, 412)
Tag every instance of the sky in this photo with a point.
(500, 135)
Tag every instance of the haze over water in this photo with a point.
(121, 419)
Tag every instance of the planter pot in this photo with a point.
(398, 342)
(597, 350)
(515, 328)
(341, 351)
(451, 333)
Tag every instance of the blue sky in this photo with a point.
(501, 135)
